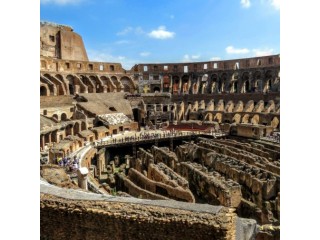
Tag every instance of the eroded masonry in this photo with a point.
(160, 151)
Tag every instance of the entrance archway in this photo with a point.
(43, 91)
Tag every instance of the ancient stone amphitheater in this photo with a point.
(161, 151)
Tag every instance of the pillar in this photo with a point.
(42, 142)
(82, 177)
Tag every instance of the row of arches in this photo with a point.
(245, 82)
(54, 85)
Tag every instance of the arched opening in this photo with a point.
(57, 83)
(76, 128)
(63, 117)
(116, 82)
(235, 87)
(175, 88)
(246, 86)
(107, 82)
(166, 83)
(135, 114)
(87, 82)
(71, 84)
(128, 84)
(257, 86)
(43, 91)
(185, 85)
(83, 126)
(156, 89)
(71, 89)
(55, 117)
(214, 83)
(127, 88)
(69, 130)
(222, 83)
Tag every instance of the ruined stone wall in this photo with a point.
(61, 42)
(177, 193)
(125, 184)
(260, 184)
(212, 187)
(243, 155)
(86, 219)
(162, 173)
(72, 47)
(164, 155)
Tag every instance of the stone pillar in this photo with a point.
(82, 178)
(42, 142)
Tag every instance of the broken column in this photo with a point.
(82, 178)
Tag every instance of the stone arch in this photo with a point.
(116, 82)
(128, 84)
(236, 118)
(257, 81)
(55, 117)
(255, 119)
(245, 118)
(275, 122)
(176, 84)
(64, 117)
(44, 91)
(214, 83)
(52, 88)
(59, 85)
(166, 83)
(110, 87)
(269, 75)
(185, 83)
(204, 83)
(97, 83)
(69, 130)
(208, 116)
(218, 118)
(63, 80)
(86, 81)
(83, 126)
(245, 87)
(75, 85)
(76, 128)
(222, 83)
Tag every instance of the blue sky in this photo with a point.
(166, 31)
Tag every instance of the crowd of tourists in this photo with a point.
(70, 164)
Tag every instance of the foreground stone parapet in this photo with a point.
(90, 216)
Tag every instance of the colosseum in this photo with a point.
(160, 151)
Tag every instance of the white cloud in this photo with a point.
(262, 52)
(61, 2)
(215, 58)
(120, 42)
(100, 56)
(275, 4)
(232, 50)
(125, 31)
(245, 3)
(187, 58)
(144, 54)
(161, 33)
(136, 30)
